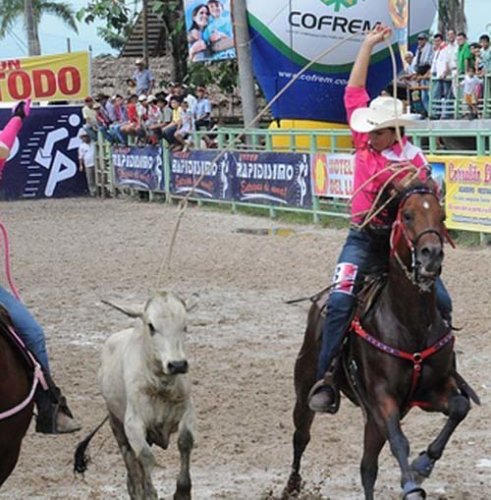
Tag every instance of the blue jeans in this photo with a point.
(442, 92)
(362, 253)
(26, 326)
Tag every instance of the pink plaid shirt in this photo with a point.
(368, 161)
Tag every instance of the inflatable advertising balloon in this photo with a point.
(287, 35)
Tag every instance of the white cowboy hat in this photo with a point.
(383, 112)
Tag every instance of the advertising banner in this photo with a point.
(332, 174)
(58, 77)
(285, 38)
(467, 191)
(209, 29)
(138, 167)
(273, 178)
(44, 159)
(188, 166)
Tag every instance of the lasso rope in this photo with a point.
(165, 264)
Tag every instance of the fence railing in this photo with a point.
(308, 142)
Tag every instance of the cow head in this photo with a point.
(164, 323)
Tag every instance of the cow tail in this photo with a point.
(81, 459)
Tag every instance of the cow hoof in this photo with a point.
(422, 467)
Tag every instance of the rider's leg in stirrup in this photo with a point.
(54, 416)
(324, 395)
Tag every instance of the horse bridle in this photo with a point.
(398, 227)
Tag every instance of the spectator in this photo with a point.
(471, 86)
(186, 125)
(190, 99)
(89, 115)
(453, 48)
(121, 118)
(86, 160)
(170, 130)
(103, 122)
(153, 120)
(131, 87)
(463, 53)
(132, 123)
(203, 110)
(440, 72)
(143, 78)
(423, 56)
(485, 54)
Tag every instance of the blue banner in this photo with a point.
(214, 168)
(43, 161)
(272, 178)
(138, 167)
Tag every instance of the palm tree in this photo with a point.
(451, 16)
(32, 11)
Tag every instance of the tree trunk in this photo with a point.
(173, 18)
(31, 29)
(244, 60)
(451, 16)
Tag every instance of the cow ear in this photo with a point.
(132, 312)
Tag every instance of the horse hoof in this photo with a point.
(415, 494)
(422, 467)
(293, 486)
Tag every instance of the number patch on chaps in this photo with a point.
(345, 278)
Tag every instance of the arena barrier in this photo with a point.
(315, 182)
(44, 160)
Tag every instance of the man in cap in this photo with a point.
(382, 153)
(423, 58)
(143, 78)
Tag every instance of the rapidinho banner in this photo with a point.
(44, 159)
(286, 36)
(58, 77)
(209, 30)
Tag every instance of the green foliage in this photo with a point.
(221, 73)
(11, 10)
(118, 16)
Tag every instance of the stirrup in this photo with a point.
(326, 383)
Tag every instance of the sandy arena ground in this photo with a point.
(242, 343)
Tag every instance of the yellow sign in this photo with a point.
(467, 192)
(45, 78)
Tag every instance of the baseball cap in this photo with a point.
(142, 98)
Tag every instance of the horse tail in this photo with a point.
(80, 458)
(466, 389)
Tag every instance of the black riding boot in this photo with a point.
(54, 416)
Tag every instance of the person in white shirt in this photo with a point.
(440, 74)
(471, 85)
(86, 160)
(187, 124)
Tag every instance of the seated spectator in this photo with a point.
(90, 118)
(153, 122)
(170, 130)
(132, 124)
(202, 113)
(143, 78)
(121, 118)
(131, 87)
(103, 122)
(190, 99)
(186, 125)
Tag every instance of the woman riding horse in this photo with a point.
(54, 416)
(382, 156)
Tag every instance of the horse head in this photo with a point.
(418, 234)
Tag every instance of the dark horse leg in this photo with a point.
(456, 406)
(388, 419)
(185, 444)
(374, 441)
(305, 377)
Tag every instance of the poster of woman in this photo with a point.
(209, 29)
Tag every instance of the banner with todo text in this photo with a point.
(58, 77)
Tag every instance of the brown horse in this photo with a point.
(17, 387)
(399, 353)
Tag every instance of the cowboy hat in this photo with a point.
(383, 112)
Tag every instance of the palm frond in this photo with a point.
(61, 10)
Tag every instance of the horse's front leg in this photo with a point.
(456, 406)
(374, 441)
(388, 418)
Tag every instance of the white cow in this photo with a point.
(147, 392)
